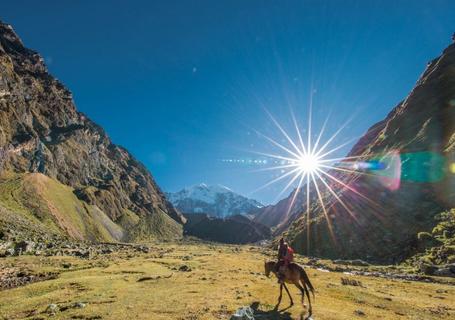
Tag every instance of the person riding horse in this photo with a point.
(285, 257)
(290, 272)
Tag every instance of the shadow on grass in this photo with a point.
(270, 314)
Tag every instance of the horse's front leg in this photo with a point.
(280, 296)
(289, 294)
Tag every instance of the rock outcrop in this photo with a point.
(41, 131)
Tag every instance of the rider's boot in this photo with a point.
(280, 277)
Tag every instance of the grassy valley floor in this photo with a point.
(203, 281)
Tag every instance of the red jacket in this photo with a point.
(285, 253)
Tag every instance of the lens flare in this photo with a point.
(307, 162)
(308, 165)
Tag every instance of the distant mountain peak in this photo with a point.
(214, 188)
(214, 200)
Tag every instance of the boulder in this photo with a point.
(23, 247)
(185, 268)
(445, 271)
(427, 268)
(52, 309)
(243, 313)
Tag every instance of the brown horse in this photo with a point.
(295, 275)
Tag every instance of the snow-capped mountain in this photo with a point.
(215, 200)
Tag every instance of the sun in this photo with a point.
(309, 163)
(310, 168)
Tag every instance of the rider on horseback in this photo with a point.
(285, 257)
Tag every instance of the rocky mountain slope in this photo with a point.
(216, 201)
(236, 229)
(41, 132)
(280, 213)
(388, 207)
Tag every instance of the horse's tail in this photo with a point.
(304, 278)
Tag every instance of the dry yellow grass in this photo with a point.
(222, 279)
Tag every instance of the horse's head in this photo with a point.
(268, 267)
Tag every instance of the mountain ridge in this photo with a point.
(214, 200)
(416, 142)
(43, 132)
(234, 229)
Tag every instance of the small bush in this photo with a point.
(424, 236)
(351, 282)
(446, 225)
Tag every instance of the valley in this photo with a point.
(87, 233)
(189, 280)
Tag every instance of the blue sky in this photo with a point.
(183, 84)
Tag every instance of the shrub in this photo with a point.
(446, 225)
(424, 236)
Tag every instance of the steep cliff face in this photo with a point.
(280, 214)
(41, 131)
(415, 146)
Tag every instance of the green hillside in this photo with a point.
(34, 204)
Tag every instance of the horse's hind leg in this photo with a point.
(304, 290)
(289, 294)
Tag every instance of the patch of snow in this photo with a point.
(215, 200)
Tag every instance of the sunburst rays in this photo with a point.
(307, 163)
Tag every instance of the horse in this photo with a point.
(293, 274)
